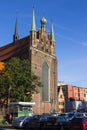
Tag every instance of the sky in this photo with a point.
(69, 19)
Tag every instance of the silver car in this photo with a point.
(18, 121)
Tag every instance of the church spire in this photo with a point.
(15, 36)
(33, 25)
(52, 34)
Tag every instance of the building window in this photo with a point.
(45, 82)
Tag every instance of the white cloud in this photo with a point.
(72, 40)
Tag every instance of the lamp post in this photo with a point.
(9, 91)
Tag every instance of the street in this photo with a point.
(7, 128)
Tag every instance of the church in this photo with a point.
(39, 48)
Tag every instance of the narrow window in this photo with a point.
(45, 82)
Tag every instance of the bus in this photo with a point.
(18, 109)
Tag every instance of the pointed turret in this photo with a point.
(52, 34)
(52, 39)
(15, 36)
(33, 25)
(33, 30)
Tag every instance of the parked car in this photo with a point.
(78, 123)
(71, 115)
(32, 122)
(61, 123)
(49, 123)
(17, 122)
(36, 121)
(1, 128)
(55, 123)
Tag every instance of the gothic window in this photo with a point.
(45, 82)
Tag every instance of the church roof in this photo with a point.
(20, 48)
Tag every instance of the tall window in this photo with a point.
(45, 82)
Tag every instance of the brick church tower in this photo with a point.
(39, 48)
(44, 64)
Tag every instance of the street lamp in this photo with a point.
(8, 100)
(9, 92)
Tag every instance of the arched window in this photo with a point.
(45, 82)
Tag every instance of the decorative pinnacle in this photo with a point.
(15, 36)
(33, 25)
(52, 34)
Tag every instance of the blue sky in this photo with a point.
(69, 18)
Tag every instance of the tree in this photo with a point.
(4, 80)
(18, 81)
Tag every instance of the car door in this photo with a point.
(85, 123)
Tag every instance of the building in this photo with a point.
(61, 101)
(75, 97)
(39, 48)
(72, 92)
(85, 94)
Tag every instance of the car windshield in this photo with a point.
(22, 117)
(70, 114)
(62, 114)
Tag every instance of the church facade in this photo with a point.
(39, 48)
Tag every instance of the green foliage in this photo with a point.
(4, 84)
(18, 80)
